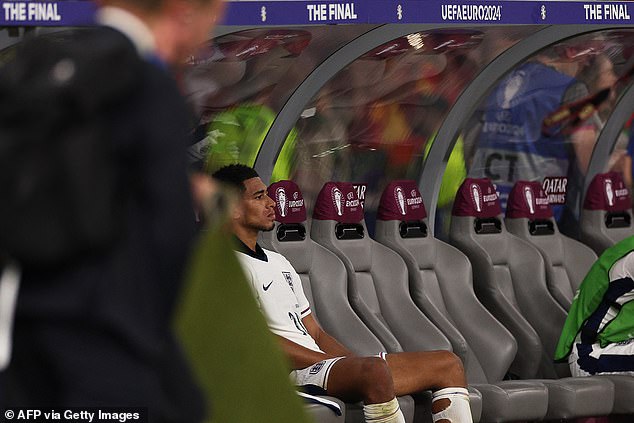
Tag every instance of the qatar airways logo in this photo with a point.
(555, 188)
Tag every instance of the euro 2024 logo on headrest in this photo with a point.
(609, 192)
(337, 199)
(528, 195)
(400, 200)
(280, 199)
(476, 196)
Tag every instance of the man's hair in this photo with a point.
(234, 175)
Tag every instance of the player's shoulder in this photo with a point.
(276, 258)
(274, 255)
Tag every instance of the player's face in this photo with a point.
(257, 208)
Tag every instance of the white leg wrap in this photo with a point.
(458, 410)
(386, 412)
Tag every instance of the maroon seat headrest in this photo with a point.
(338, 201)
(476, 198)
(289, 202)
(607, 191)
(401, 200)
(528, 200)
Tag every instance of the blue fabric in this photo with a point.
(157, 61)
(516, 109)
(591, 329)
(606, 363)
(511, 145)
(616, 289)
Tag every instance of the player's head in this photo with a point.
(255, 210)
(234, 175)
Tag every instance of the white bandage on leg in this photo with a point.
(458, 410)
(385, 412)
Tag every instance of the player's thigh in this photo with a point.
(357, 378)
(423, 370)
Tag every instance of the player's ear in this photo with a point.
(236, 211)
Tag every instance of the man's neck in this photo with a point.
(257, 252)
(132, 24)
(248, 237)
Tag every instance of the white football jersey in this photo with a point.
(279, 294)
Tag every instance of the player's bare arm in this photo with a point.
(299, 356)
(326, 342)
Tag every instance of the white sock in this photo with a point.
(385, 412)
(458, 410)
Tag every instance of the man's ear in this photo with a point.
(236, 211)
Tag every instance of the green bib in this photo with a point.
(588, 298)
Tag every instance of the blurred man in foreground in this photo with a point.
(95, 329)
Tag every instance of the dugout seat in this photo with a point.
(440, 283)
(529, 217)
(325, 414)
(377, 278)
(510, 280)
(324, 282)
(567, 261)
(606, 217)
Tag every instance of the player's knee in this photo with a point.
(376, 380)
(453, 368)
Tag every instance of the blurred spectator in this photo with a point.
(511, 145)
(600, 75)
(236, 135)
(95, 331)
(628, 175)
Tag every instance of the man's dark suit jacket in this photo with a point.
(96, 331)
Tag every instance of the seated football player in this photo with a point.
(319, 362)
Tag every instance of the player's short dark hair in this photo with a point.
(234, 175)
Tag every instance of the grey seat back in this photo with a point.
(377, 277)
(509, 278)
(529, 216)
(324, 280)
(606, 217)
(323, 274)
(441, 285)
